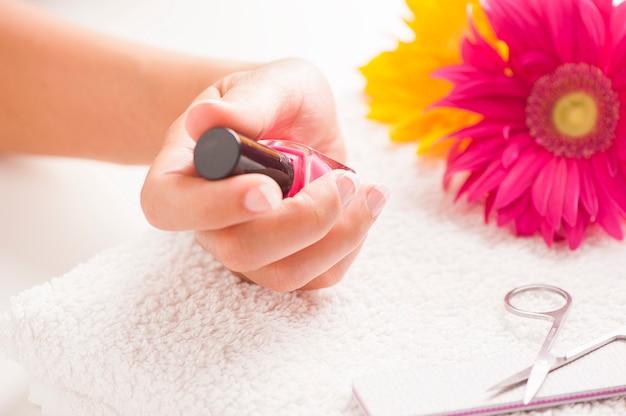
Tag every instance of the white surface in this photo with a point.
(56, 213)
(178, 331)
(456, 388)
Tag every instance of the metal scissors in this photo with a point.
(546, 361)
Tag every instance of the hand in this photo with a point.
(307, 241)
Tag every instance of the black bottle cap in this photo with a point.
(221, 153)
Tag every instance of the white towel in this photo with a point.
(158, 327)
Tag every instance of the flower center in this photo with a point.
(573, 111)
(575, 114)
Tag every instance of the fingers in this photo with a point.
(193, 203)
(306, 241)
(175, 198)
(310, 240)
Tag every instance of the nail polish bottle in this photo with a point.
(221, 153)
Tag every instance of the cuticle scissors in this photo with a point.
(546, 361)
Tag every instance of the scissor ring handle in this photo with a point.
(549, 314)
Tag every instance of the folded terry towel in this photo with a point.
(158, 327)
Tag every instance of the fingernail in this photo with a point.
(261, 199)
(376, 199)
(347, 183)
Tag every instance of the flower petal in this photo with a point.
(572, 194)
(489, 128)
(554, 215)
(562, 28)
(488, 181)
(516, 144)
(542, 187)
(608, 217)
(588, 194)
(527, 223)
(616, 69)
(502, 109)
(575, 233)
(614, 186)
(513, 210)
(547, 232)
(590, 35)
(520, 177)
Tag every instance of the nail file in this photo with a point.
(461, 389)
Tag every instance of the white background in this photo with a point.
(58, 212)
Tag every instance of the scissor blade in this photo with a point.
(511, 380)
(573, 355)
(537, 376)
(523, 375)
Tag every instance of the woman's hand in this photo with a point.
(307, 241)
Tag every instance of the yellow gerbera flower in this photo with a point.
(399, 82)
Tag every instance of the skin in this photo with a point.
(71, 92)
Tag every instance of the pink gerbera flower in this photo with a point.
(549, 155)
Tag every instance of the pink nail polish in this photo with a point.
(221, 153)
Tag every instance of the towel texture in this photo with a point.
(158, 327)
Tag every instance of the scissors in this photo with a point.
(546, 361)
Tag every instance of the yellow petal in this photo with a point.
(399, 83)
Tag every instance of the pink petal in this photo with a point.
(513, 210)
(496, 88)
(572, 194)
(482, 55)
(608, 216)
(453, 153)
(606, 8)
(588, 194)
(471, 179)
(501, 109)
(515, 146)
(608, 197)
(590, 36)
(534, 64)
(615, 67)
(489, 205)
(547, 232)
(542, 187)
(614, 187)
(511, 20)
(616, 70)
(475, 156)
(527, 222)
(612, 163)
(520, 177)
(493, 176)
(456, 74)
(558, 17)
(618, 28)
(557, 195)
(619, 143)
(488, 128)
(575, 233)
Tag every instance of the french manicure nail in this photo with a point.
(261, 199)
(347, 183)
(376, 199)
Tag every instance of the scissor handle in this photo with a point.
(554, 314)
